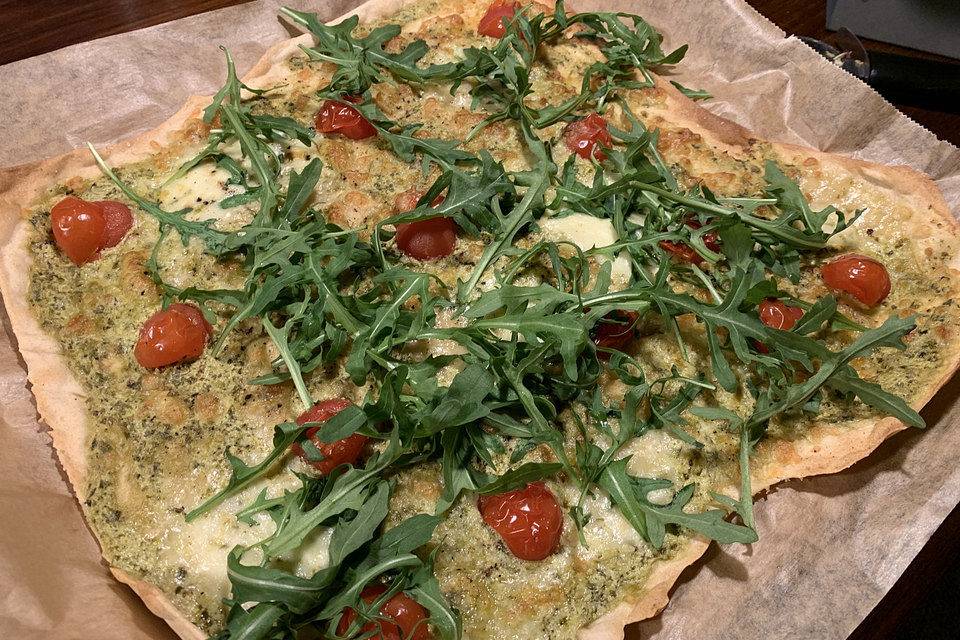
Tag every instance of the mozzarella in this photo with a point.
(657, 454)
(587, 232)
(204, 544)
(607, 527)
(203, 186)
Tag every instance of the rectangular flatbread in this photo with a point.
(144, 445)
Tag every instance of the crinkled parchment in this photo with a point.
(829, 547)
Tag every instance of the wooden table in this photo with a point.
(45, 25)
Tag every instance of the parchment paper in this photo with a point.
(829, 547)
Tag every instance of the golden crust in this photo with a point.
(60, 400)
(652, 600)
(160, 606)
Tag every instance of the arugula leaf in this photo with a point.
(350, 535)
(262, 584)
(284, 435)
(650, 520)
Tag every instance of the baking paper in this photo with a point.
(829, 547)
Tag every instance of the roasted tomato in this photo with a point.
(343, 451)
(687, 253)
(336, 117)
(78, 228)
(491, 24)
(425, 239)
(82, 229)
(585, 137)
(407, 613)
(118, 221)
(614, 331)
(863, 278)
(529, 520)
(179, 333)
(776, 314)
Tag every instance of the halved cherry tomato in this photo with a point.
(491, 24)
(687, 253)
(425, 239)
(407, 613)
(81, 229)
(118, 221)
(586, 136)
(179, 333)
(776, 314)
(336, 117)
(343, 451)
(529, 520)
(864, 278)
(614, 331)
(78, 228)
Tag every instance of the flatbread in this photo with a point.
(60, 399)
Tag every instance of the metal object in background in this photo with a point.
(927, 25)
(917, 82)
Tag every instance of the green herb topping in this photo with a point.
(527, 348)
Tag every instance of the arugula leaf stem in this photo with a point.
(293, 367)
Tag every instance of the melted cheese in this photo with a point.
(587, 232)
(202, 545)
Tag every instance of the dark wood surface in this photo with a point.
(919, 605)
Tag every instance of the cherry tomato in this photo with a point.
(336, 117)
(864, 278)
(343, 451)
(491, 24)
(776, 314)
(118, 221)
(83, 228)
(687, 253)
(614, 332)
(78, 228)
(179, 333)
(529, 520)
(407, 613)
(586, 136)
(425, 239)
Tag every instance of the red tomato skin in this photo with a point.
(343, 451)
(78, 228)
(776, 314)
(585, 137)
(529, 520)
(491, 24)
(425, 239)
(616, 334)
(179, 333)
(407, 200)
(863, 278)
(118, 222)
(336, 117)
(401, 608)
(683, 251)
(687, 253)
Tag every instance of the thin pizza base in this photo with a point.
(61, 401)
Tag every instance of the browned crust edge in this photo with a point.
(60, 400)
